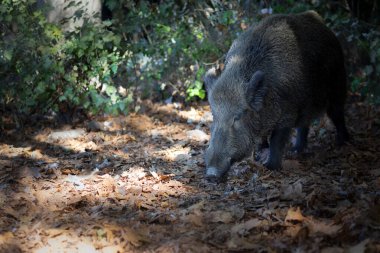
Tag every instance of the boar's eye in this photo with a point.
(238, 117)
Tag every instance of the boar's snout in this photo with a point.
(213, 174)
(216, 165)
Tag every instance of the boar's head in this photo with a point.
(235, 104)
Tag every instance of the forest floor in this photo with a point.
(136, 184)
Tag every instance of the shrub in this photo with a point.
(148, 49)
(42, 67)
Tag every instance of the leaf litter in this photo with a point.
(136, 184)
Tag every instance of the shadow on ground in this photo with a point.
(137, 185)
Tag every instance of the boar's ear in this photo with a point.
(256, 91)
(210, 77)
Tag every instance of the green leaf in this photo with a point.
(111, 4)
(110, 90)
(163, 28)
(41, 87)
(62, 98)
(8, 55)
(114, 68)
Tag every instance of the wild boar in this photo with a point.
(280, 74)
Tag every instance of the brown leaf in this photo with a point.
(294, 230)
(221, 216)
(196, 207)
(29, 173)
(112, 249)
(322, 227)
(244, 227)
(291, 164)
(195, 219)
(241, 243)
(358, 248)
(35, 154)
(314, 226)
(135, 238)
(53, 232)
(294, 215)
(332, 250)
(293, 191)
(243, 26)
(6, 237)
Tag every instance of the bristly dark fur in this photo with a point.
(303, 76)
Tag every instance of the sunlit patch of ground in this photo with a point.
(135, 184)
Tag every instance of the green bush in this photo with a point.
(147, 49)
(172, 42)
(169, 42)
(42, 67)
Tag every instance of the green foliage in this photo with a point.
(148, 50)
(27, 64)
(361, 43)
(43, 67)
(168, 39)
(92, 59)
(196, 89)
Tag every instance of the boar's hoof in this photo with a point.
(297, 150)
(262, 155)
(342, 138)
(272, 166)
(213, 175)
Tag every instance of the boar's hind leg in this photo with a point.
(301, 141)
(278, 140)
(336, 114)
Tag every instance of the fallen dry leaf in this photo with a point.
(291, 164)
(242, 244)
(135, 238)
(53, 232)
(196, 219)
(314, 226)
(244, 227)
(221, 216)
(6, 237)
(294, 214)
(332, 250)
(322, 227)
(111, 249)
(140, 187)
(358, 248)
(293, 191)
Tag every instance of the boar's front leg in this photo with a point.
(261, 150)
(301, 140)
(278, 140)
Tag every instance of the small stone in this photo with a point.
(197, 135)
(65, 135)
